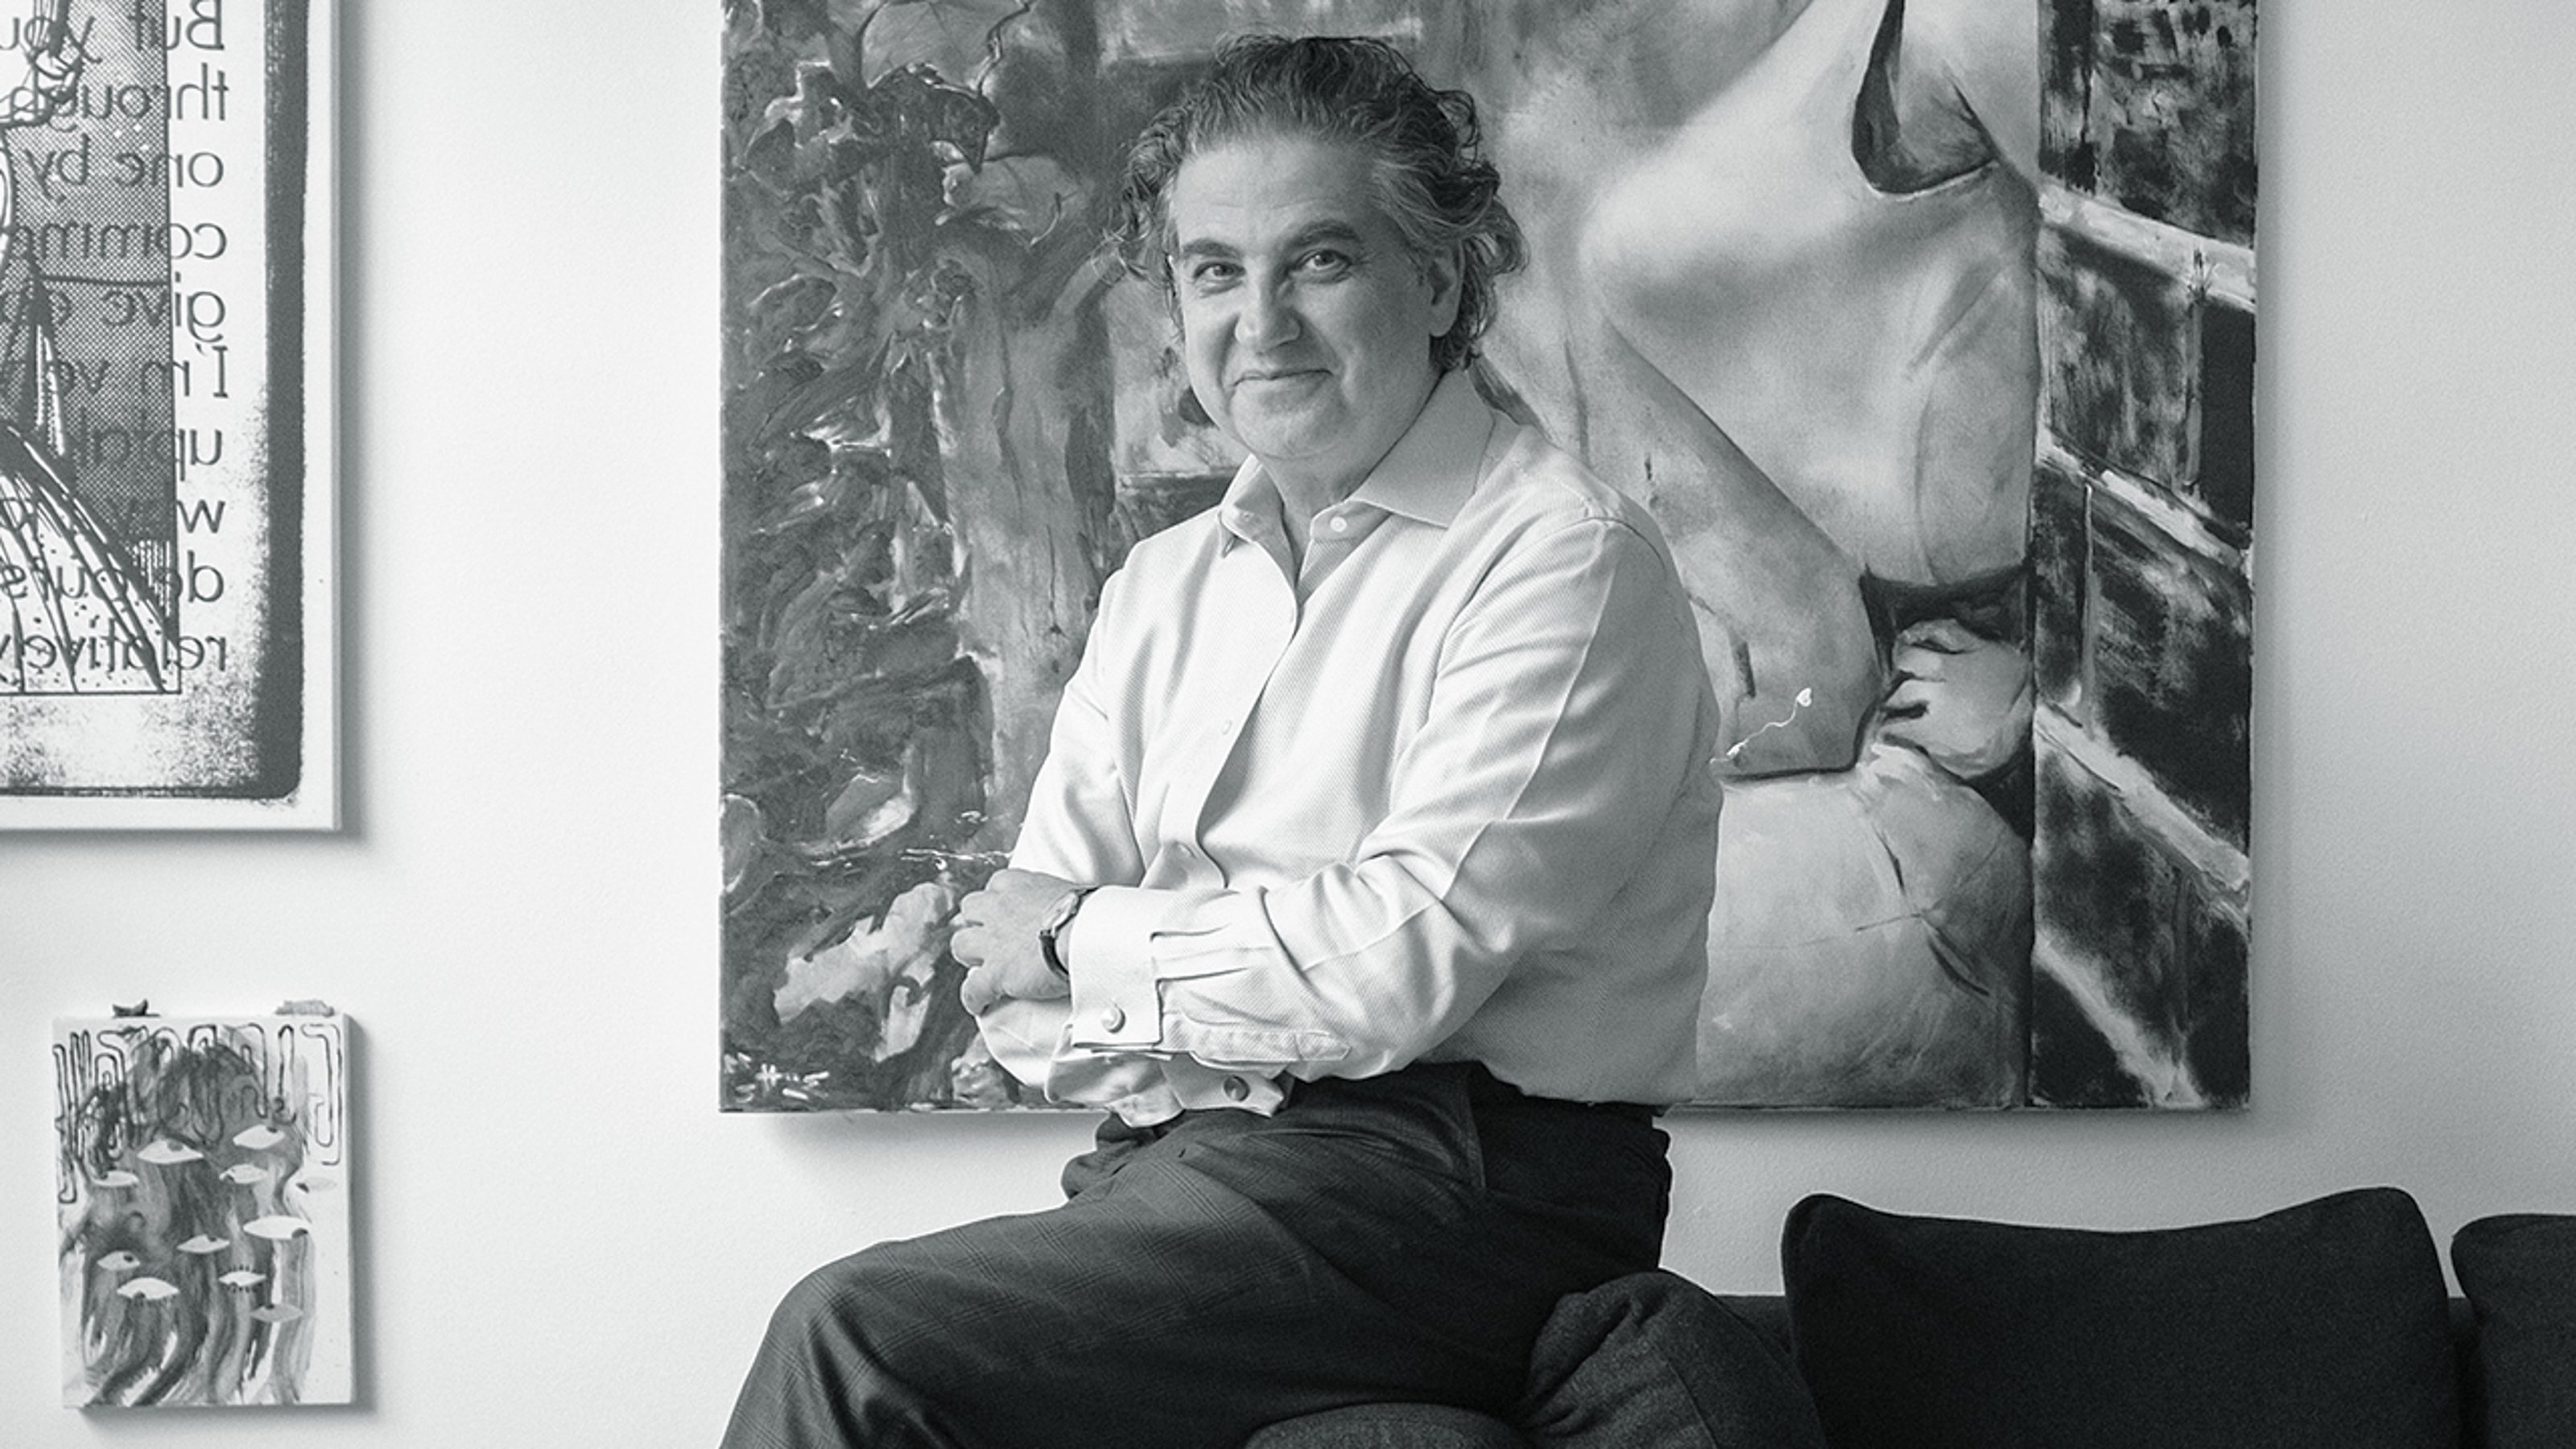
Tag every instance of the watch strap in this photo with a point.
(1058, 920)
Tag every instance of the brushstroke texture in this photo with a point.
(190, 1247)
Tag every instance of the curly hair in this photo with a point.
(1430, 179)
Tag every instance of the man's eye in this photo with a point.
(1208, 276)
(1324, 262)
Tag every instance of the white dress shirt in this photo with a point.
(1442, 794)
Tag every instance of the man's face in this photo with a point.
(1306, 323)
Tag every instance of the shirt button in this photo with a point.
(1339, 525)
(1112, 1019)
(1236, 1089)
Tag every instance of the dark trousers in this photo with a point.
(1400, 1238)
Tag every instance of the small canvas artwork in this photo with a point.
(202, 1186)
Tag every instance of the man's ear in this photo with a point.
(1443, 272)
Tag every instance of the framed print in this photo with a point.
(167, 623)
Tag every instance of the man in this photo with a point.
(1367, 878)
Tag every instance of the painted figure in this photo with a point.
(1801, 326)
(1366, 881)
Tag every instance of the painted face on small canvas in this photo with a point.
(1306, 322)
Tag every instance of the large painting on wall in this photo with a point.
(166, 621)
(1924, 327)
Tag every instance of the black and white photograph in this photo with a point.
(1287, 724)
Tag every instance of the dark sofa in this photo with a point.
(2326, 1324)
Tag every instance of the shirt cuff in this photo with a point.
(1022, 1036)
(1117, 1002)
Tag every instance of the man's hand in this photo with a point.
(997, 939)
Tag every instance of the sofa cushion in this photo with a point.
(2519, 1272)
(2324, 1324)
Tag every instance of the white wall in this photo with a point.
(564, 1244)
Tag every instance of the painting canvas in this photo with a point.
(1924, 327)
(166, 620)
(202, 1185)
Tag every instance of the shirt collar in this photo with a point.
(1426, 476)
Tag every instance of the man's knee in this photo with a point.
(936, 1313)
(826, 1376)
(835, 1311)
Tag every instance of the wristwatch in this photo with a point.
(1059, 918)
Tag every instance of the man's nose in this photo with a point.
(1268, 316)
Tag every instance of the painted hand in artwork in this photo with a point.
(1960, 698)
(997, 940)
